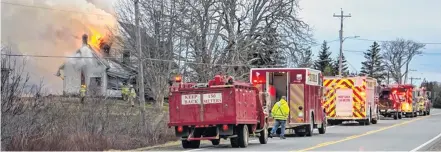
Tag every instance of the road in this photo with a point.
(406, 134)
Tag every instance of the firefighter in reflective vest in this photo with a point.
(83, 92)
(124, 92)
(280, 114)
(421, 104)
(132, 95)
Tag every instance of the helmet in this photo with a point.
(83, 86)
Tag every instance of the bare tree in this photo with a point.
(208, 34)
(398, 55)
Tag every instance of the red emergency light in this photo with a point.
(178, 78)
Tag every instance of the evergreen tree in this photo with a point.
(373, 66)
(267, 51)
(344, 66)
(324, 59)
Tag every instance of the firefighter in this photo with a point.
(124, 91)
(83, 92)
(132, 95)
(280, 114)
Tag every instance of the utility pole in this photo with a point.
(341, 16)
(413, 78)
(141, 69)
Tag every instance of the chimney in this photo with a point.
(85, 38)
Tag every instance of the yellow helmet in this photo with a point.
(83, 86)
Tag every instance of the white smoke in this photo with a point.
(52, 27)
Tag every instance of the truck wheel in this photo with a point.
(396, 116)
(263, 139)
(400, 115)
(428, 112)
(243, 136)
(310, 128)
(415, 114)
(374, 120)
(424, 113)
(191, 144)
(234, 142)
(215, 142)
(322, 130)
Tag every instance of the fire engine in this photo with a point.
(422, 96)
(350, 99)
(303, 89)
(396, 100)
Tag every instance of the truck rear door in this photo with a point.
(344, 102)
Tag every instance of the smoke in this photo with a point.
(52, 27)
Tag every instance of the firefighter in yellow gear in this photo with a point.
(132, 96)
(83, 92)
(280, 114)
(421, 104)
(124, 92)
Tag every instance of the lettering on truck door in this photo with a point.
(344, 102)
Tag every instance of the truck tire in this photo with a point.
(374, 120)
(310, 129)
(191, 144)
(263, 139)
(215, 142)
(243, 136)
(234, 142)
(322, 129)
(400, 115)
(428, 112)
(395, 116)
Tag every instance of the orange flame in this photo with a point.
(95, 38)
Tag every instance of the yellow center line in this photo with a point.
(360, 135)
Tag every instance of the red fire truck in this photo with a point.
(304, 91)
(217, 109)
(396, 100)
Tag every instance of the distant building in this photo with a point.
(102, 76)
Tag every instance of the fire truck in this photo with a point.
(303, 89)
(219, 109)
(350, 99)
(422, 96)
(404, 93)
(396, 100)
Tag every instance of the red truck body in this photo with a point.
(214, 110)
(303, 88)
(396, 100)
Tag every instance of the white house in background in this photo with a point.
(102, 76)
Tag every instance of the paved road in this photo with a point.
(406, 134)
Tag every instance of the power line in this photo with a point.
(48, 8)
(392, 41)
(151, 59)
(427, 53)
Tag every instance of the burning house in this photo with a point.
(94, 67)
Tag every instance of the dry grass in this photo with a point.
(95, 126)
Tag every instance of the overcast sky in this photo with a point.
(418, 20)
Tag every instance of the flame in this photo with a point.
(95, 38)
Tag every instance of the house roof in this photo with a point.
(113, 67)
